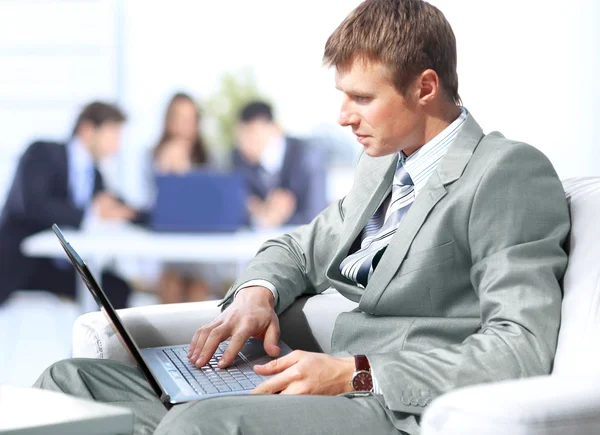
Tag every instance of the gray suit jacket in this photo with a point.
(468, 290)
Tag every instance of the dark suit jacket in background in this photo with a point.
(303, 173)
(39, 197)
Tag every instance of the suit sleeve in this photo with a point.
(34, 177)
(311, 200)
(293, 263)
(518, 224)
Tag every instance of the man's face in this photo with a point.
(106, 139)
(383, 120)
(254, 136)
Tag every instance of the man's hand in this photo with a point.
(275, 210)
(250, 315)
(256, 207)
(306, 373)
(107, 207)
(281, 204)
(174, 157)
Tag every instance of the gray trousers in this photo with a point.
(123, 385)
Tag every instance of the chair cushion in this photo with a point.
(579, 338)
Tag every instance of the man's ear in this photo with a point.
(428, 84)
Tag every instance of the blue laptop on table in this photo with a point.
(202, 201)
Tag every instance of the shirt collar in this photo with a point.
(421, 164)
(272, 157)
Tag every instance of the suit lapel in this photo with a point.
(398, 247)
(290, 163)
(380, 183)
(98, 182)
(449, 170)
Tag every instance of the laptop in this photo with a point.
(167, 369)
(200, 201)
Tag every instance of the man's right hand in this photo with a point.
(275, 210)
(251, 314)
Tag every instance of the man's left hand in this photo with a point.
(306, 373)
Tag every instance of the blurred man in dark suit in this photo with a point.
(285, 176)
(60, 183)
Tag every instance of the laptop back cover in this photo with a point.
(199, 201)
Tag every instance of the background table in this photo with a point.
(31, 411)
(102, 244)
(125, 240)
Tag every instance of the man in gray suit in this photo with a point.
(450, 240)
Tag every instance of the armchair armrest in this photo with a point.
(307, 324)
(150, 326)
(544, 405)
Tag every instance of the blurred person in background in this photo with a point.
(286, 177)
(60, 183)
(181, 149)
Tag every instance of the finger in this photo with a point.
(277, 365)
(193, 343)
(216, 336)
(275, 384)
(233, 348)
(203, 334)
(200, 338)
(271, 340)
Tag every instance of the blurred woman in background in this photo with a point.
(181, 149)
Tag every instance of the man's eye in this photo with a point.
(362, 100)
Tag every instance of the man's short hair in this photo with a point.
(407, 36)
(97, 113)
(256, 110)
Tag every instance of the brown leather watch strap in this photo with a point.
(361, 363)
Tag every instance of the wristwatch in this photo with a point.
(362, 380)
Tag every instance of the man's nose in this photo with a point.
(347, 118)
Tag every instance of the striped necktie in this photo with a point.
(359, 266)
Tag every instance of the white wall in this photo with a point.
(528, 68)
(54, 56)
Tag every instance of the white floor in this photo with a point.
(35, 331)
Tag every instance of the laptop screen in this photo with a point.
(108, 310)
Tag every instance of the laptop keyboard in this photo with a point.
(210, 379)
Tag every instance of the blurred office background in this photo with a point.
(527, 68)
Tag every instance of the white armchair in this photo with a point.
(566, 402)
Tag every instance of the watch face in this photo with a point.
(362, 381)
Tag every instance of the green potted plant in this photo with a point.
(236, 89)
